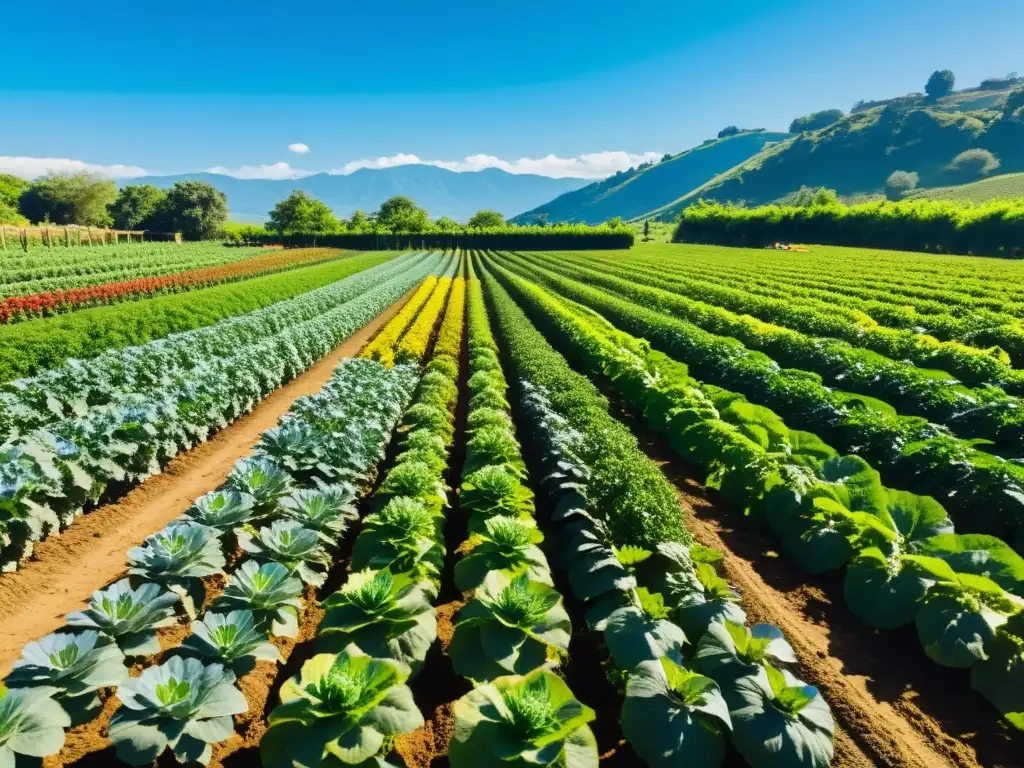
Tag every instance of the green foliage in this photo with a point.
(401, 214)
(1004, 186)
(69, 198)
(486, 219)
(135, 206)
(195, 208)
(816, 120)
(730, 130)
(992, 229)
(975, 162)
(11, 189)
(940, 83)
(32, 725)
(900, 183)
(300, 213)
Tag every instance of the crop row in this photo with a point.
(944, 319)
(983, 493)
(280, 516)
(149, 405)
(972, 366)
(32, 347)
(902, 559)
(66, 268)
(983, 412)
(60, 301)
(693, 676)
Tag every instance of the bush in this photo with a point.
(940, 84)
(975, 162)
(816, 120)
(899, 183)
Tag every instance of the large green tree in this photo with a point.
(816, 120)
(940, 83)
(11, 189)
(301, 214)
(69, 198)
(359, 222)
(401, 214)
(484, 219)
(135, 206)
(196, 209)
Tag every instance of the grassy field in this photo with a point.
(1006, 186)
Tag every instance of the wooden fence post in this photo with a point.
(67, 236)
(24, 238)
(3, 236)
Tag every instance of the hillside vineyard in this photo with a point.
(679, 505)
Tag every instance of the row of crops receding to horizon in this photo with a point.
(546, 508)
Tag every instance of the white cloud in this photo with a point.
(272, 171)
(299, 148)
(594, 165)
(33, 167)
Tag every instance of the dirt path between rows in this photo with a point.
(893, 707)
(67, 568)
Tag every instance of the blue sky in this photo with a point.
(561, 88)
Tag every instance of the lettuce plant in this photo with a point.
(262, 479)
(492, 445)
(223, 509)
(511, 625)
(339, 710)
(231, 639)
(270, 592)
(425, 440)
(414, 480)
(672, 716)
(730, 650)
(32, 725)
(488, 417)
(495, 490)
(327, 511)
(505, 544)
(518, 721)
(179, 556)
(288, 543)
(75, 665)
(404, 536)
(183, 705)
(779, 722)
(130, 616)
(385, 616)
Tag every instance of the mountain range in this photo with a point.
(440, 191)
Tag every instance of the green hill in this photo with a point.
(632, 193)
(856, 155)
(1006, 186)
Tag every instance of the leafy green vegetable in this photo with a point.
(222, 509)
(231, 639)
(729, 651)
(404, 536)
(672, 716)
(130, 616)
(183, 705)
(31, 725)
(339, 710)
(495, 490)
(385, 616)
(512, 625)
(286, 542)
(515, 722)
(179, 557)
(270, 592)
(262, 479)
(505, 544)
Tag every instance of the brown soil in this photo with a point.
(66, 569)
(892, 705)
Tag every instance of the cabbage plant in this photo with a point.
(339, 710)
(74, 665)
(780, 722)
(729, 651)
(270, 592)
(1000, 677)
(385, 616)
(494, 490)
(712, 599)
(183, 705)
(327, 511)
(288, 543)
(262, 479)
(672, 716)
(404, 536)
(130, 616)
(511, 626)
(523, 720)
(179, 556)
(231, 639)
(493, 445)
(223, 509)
(415, 480)
(641, 631)
(505, 544)
(32, 725)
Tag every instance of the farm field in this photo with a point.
(672, 506)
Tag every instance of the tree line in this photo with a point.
(196, 209)
(940, 226)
